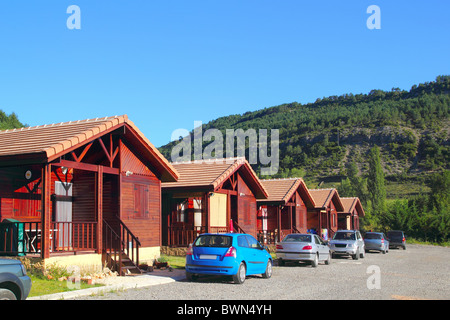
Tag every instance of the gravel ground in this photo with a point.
(420, 272)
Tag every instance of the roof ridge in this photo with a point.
(101, 119)
(229, 160)
(281, 179)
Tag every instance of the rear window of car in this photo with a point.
(297, 238)
(373, 236)
(213, 241)
(344, 236)
(395, 234)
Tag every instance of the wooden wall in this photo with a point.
(247, 211)
(301, 213)
(20, 198)
(140, 198)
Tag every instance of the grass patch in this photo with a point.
(41, 286)
(176, 262)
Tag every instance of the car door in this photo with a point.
(323, 250)
(360, 242)
(257, 260)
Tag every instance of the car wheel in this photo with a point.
(6, 294)
(268, 272)
(239, 277)
(281, 262)
(328, 261)
(190, 276)
(315, 262)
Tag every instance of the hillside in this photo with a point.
(320, 140)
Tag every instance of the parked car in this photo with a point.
(234, 254)
(376, 241)
(303, 247)
(347, 242)
(15, 284)
(396, 239)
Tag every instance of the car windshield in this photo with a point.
(213, 241)
(373, 236)
(344, 236)
(297, 238)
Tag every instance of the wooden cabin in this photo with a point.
(85, 190)
(323, 219)
(214, 196)
(285, 210)
(348, 219)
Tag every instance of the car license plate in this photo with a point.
(208, 256)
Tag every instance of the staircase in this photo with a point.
(120, 249)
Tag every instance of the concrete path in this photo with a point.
(112, 284)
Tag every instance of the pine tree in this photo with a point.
(375, 185)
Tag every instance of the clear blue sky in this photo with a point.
(169, 63)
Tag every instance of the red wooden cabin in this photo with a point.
(285, 210)
(348, 219)
(323, 219)
(90, 186)
(210, 196)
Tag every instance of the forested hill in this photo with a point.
(321, 139)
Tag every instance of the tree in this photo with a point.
(375, 185)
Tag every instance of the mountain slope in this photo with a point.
(320, 139)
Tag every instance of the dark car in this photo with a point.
(396, 239)
(14, 282)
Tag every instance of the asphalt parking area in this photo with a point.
(420, 272)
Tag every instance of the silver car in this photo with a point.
(303, 247)
(376, 241)
(348, 242)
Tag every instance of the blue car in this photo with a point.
(233, 254)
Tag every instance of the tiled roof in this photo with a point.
(281, 190)
(322, 198)
(212, 173)
(350, 204)
(49, 142)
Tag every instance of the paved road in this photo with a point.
(420, 272)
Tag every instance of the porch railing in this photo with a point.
(268, 236)
(73, 236)
(20, 238)
(183, 236)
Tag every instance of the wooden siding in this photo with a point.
(141, 203)
(247, 211)
(84, 193)
(301, 214)
(130, 162)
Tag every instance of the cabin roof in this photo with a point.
(210, 174)
(46, 143)
(281, 190)
(323, 197)
(351, 204)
